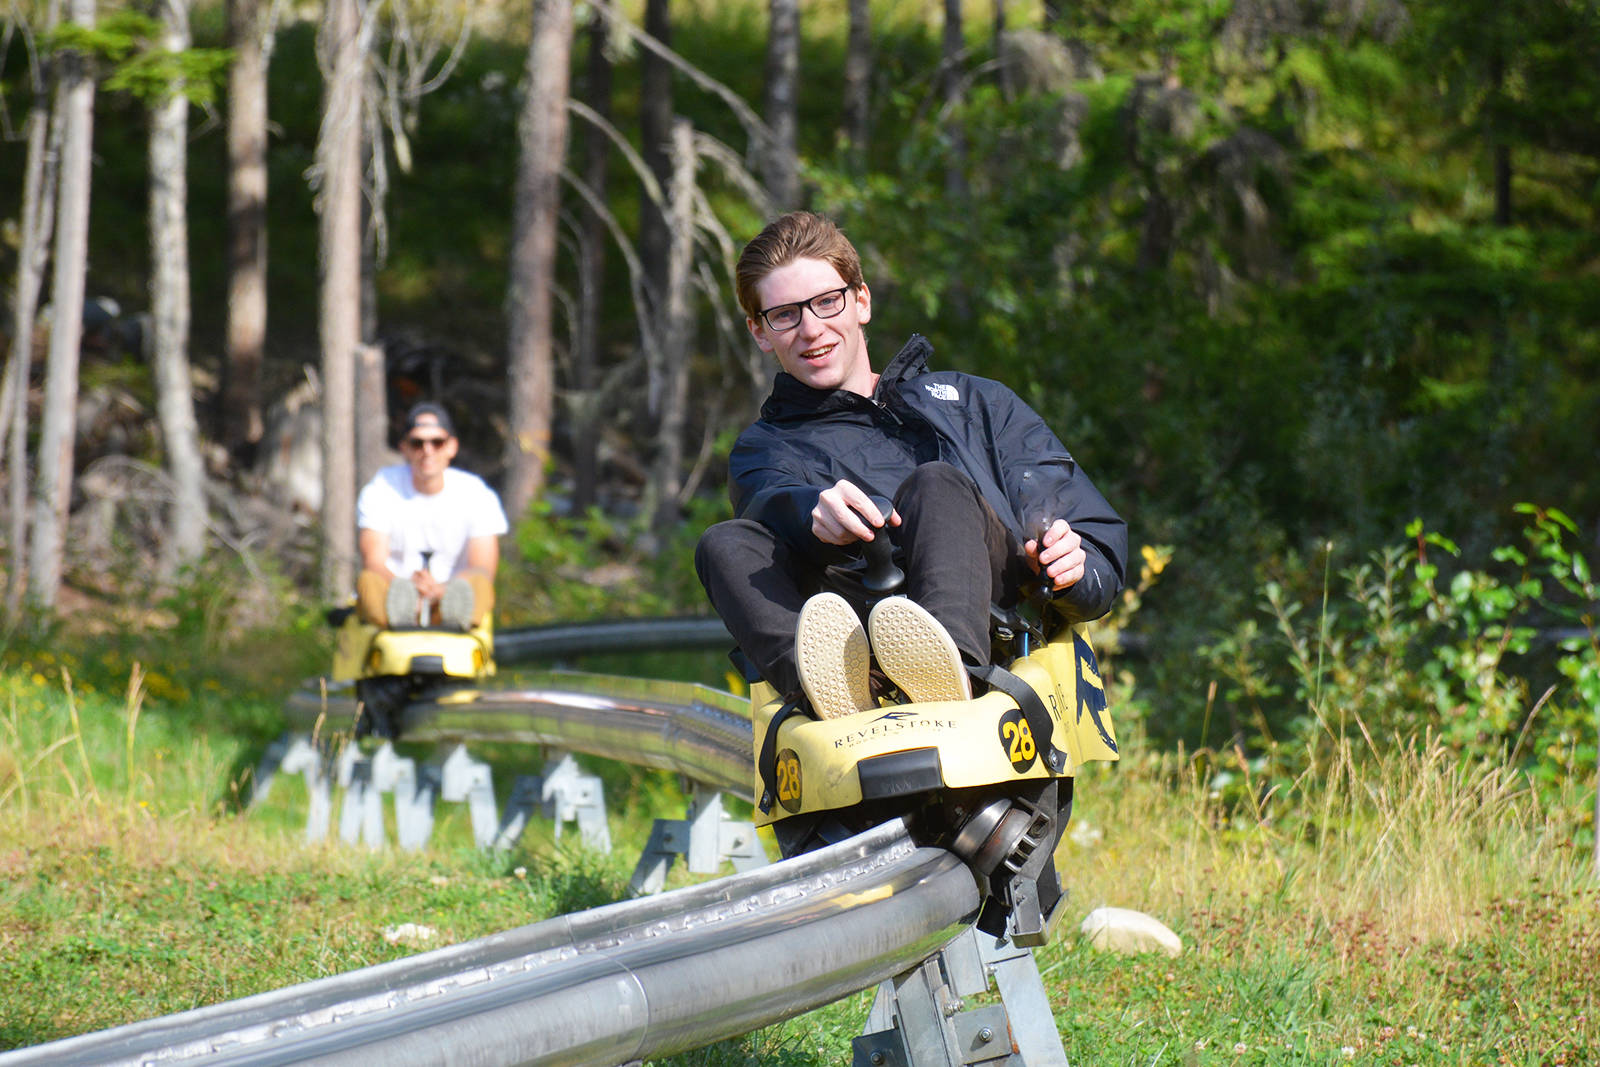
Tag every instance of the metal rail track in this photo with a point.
(612, 985)
(700, 732)
(615, 984)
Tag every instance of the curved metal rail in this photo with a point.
(697, 731)
(576, 638)
(609, 986)
(616, 984)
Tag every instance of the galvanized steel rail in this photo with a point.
(612, 985)
(697, 731)
(609, 986)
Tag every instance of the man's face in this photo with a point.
(824, 353)
(428, 448)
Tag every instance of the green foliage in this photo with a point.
(140, 63)
(1248, 267)
(1411, 644)
(596, 566)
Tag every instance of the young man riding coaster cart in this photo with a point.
(965, 491)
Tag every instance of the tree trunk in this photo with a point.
(37, 220)
(541, 149)
(780, 160)
(241, 407)
(592, 239)
(655, 131)
(675, 357)
(169, 303)
(858, 81)
(999, 46)
(75, 102)
(339, 238)
(955, 172)
(1499, 149)
(372, 420)
(1055, 15)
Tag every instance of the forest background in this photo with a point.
(1310, 289)
(1284, 276)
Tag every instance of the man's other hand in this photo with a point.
(845, 514)
(1058, 556)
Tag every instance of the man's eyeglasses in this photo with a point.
(783, 317)
(426, 442)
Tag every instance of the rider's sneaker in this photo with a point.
(402, 603)
(917, 652)
(830, 651)
(455, 605)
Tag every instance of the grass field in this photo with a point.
(1391, 907)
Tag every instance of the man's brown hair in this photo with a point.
(797, 235)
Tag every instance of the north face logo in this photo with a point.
(944, 391)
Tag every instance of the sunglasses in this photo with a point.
(426, 442)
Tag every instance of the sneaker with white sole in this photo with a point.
(917, 652)
(455, 605)
(402, 603)
(831, 653)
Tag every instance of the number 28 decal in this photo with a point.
(788, 775)
(1017, 740)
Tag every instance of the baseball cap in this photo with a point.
(419, 415)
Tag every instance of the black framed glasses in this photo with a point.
(426, 442)
(783, 317)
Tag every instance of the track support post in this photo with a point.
(707, 839)
(919, 1017)
(462, 777)
(569, 794)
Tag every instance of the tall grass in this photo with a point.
(1380, 885)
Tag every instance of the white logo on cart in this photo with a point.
(944, 391)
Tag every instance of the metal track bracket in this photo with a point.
(919, 1017)
(707, 839)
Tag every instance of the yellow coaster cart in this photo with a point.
(988, 778)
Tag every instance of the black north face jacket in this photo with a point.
(808, 439)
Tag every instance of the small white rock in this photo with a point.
(1125, 930)
(410, 933)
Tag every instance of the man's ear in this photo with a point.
(759, 333)
(863, 304)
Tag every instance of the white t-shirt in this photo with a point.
(441, 523)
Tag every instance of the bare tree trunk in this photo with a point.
(858, 81)
(240, 411)
(372, 419)
(780, 159)
(33, 251)
(955, 172)
(372, 203)
(592, 274)
(169, 302)
(674, 420)
(339, 237)
(1499, 150)
(542, 138)
(655, 131)
(75, 102)
(999, 45)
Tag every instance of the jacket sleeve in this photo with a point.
(772, 492)
(1044, 483)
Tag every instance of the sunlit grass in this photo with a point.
(1390, 906)
(1393, 906)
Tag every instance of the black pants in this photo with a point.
(958, 557)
